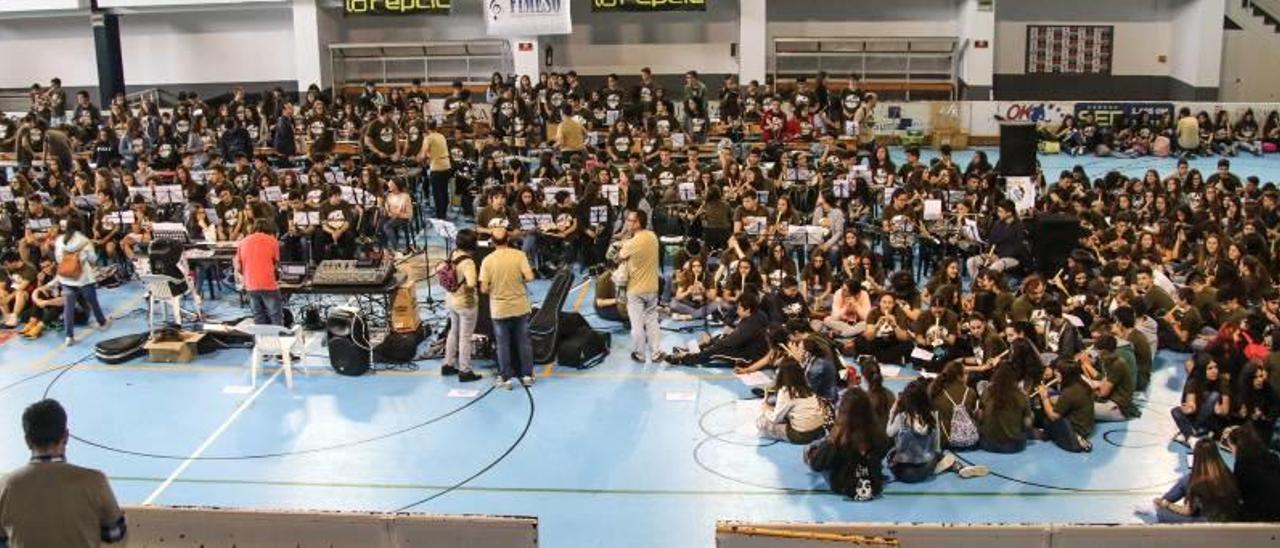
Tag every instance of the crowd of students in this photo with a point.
(785, 216)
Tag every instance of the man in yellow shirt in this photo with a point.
(571, 136)
(503, 276)
(639, 256)
(1188, 133)
(435, 153)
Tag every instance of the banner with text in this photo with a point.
(396, 7)
(518, 18)
(648, 5)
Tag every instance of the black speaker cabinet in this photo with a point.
(347, 357)
(1055, 236)
(1017, 149)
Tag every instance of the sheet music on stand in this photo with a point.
(306, 218)
(808, 235)
(549, 193)
(143, 191)
(537, 182)
(888, 195)
(840, 188)
(861, 170)
(6, 194)
(754, 225)
(199, 176)
(687, 192)
(445, 229)
(763, 196)
(599, 214)
(528, 221)
(87, 202)
(677, 141)
(170, 194)
(970, 230)
(932, 209)
(611, 193)
(272, 194)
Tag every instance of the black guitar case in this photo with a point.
(545, 324)
(121, 349)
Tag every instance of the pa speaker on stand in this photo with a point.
(1017, 149)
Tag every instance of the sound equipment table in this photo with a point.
(374, 300)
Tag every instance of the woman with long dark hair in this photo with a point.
(75, 256)
(796, 415)
(1257, 474)
(917, 453)
(1207, 494)
(852, 452)
(1004, 418)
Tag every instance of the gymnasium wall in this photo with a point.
(819, 18)
(37, 49)
(1145, 31)
(246, 44)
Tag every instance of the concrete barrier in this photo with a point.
(159, 527)
(746, 535)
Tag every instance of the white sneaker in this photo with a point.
(975, 471)
(527, 381)
(947, 462)
(499, 382)
(71, 341)
(681, 317)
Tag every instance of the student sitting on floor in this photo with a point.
(1068, 418)
(1206, 494)
(608, 306)
(1004, 418)
(1257, 473)
(796, 415)
(1113, 382)
(745, 343)
(882, 399)
(917, 453)
(852, 453)
(1206, 402)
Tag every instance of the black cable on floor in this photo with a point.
(527, 424)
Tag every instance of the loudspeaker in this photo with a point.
(1055, 236)
(347, 357)
(1017, 149)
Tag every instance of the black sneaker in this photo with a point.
(448, 370)
(469, 376)
(636, 357)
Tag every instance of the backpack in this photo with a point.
(447, 274)
(963, 433)
(69, 266)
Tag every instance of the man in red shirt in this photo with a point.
(256, 258)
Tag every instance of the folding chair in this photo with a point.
(160, 291)
(274, 340)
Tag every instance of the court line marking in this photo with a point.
(41, 364)
(618, 491)
(209, 440)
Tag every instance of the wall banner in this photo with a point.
(517, 18)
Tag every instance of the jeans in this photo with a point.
(457, 345)
(838, 328)
(439, 181)
(505, 331)
(391, 231)
(645, 336)
(1200, 423)
(696, 312)
(267, 307)
(1177, 493)
(86, 294)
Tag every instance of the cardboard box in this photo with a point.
(183, 351)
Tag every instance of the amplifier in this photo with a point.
(352, 273)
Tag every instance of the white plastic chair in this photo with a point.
(160, 292)
(274, 340)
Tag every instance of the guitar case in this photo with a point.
(545, 324)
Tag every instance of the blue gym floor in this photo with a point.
(620, 455)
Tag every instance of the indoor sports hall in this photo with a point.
(628, 273)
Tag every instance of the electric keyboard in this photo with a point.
(352, 273)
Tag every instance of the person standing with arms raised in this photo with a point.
(503, 276)
(639, 257)
(435, 153)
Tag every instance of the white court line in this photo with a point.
(209, 441)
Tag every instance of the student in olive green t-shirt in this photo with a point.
(1068, 418)
(1115, 382)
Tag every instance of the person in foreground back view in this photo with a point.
(49, 502)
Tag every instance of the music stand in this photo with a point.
(449, 232)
